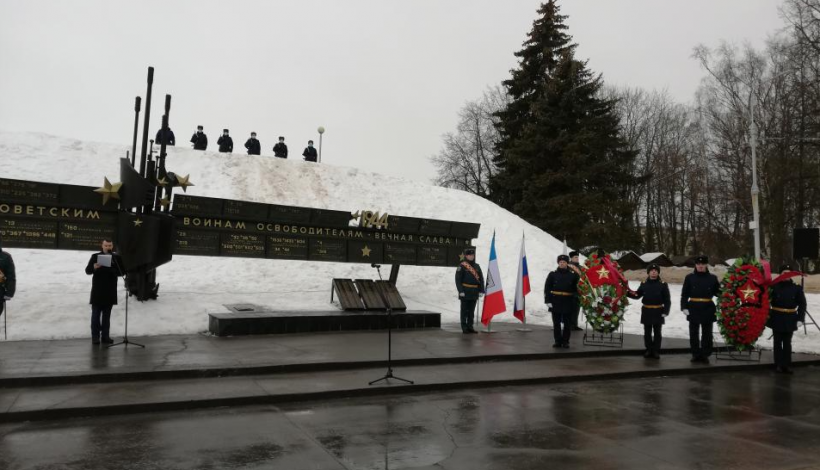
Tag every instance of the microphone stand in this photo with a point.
(125, 281)
(389, 374)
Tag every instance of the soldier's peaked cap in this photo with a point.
(563, 258)
(469, 251)
(653, 266)
(702, 259)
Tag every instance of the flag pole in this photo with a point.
(524, 298)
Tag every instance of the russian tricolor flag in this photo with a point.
(522, 285)
(494, 295)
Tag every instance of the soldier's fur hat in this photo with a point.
(563, 258)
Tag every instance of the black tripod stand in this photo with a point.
(389, 374)
(125, 281)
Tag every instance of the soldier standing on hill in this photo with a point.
(253, 145)
(470, 285)
(561, 297)
(199, 139)
(280, 150)
(310, 152)
(225, 142)
(696, 302)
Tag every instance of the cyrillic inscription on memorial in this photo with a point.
(283, 247)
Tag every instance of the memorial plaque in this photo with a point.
(289, 214)
(287, 247)
(244, 245)
(399, 253)
(244, 210)
(434, 227)
(22, 233)
(403, 224)
(196, 242)
(84, 196)
(327, 218)
(327, 249)
(464, 230)
(365, 252)
(85, 235)
(28, 192)
(193, 205)
(432, 256)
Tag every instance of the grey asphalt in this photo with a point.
(742, 420)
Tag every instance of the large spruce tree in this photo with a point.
(562, 165)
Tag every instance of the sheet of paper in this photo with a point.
(104, 260)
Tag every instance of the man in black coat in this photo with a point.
(470, 286)
(561, 296)
(253, 145)
(103, 291)
(697, 303)
(225, 142)
(575, 266)
(310, 152)
(787, 312)
(8, 278)
(280, 150)
(167, 136)
(656, 305)
(199, 139)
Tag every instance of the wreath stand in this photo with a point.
(614, 339)
(729, 353)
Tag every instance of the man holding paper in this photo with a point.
(105, 268)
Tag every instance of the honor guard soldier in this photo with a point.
(8, 278)
(225, 142)
(697, 303)
(310, 152)
(561, 296)
(787, 312)
(575, 265)
(199, 139)
(470, 285)
(656, 305)
(253, 145)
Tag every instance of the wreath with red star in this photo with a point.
(602, 292)
(744, 304)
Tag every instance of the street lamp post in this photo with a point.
(321, 131)
(755, 225)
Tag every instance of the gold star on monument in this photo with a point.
(162, 182)
(137, 222)
(109, 191)
(603, 273)
(165, 202)
(184, 182)
(748, 293)
(461, 257)
(366, 252)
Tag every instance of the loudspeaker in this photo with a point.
(806, 243)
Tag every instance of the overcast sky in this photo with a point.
(385, 78)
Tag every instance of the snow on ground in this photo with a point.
(53, 289)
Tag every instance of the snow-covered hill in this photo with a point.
(53, 289)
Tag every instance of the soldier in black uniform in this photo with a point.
(225, 142)
(470, 285)
(310, 152)
(696, 302)
(280, 150)
(575, 266)
(167, 137)
(8, 278)
(199, 139)
(786, 313)
(561, 296)
(656, 305)
(253, 145)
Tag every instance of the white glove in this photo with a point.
(549, 306)
(665, 315)
(686, 312)
(461, 294)
(6, 298)
(481, 294)
(800, 324)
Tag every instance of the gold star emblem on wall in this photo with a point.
(162, 182)
(366, 251)
(137, 222)
(109, 191)
(184, 182)
(603, 273)
(165, 202)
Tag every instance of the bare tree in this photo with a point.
(466, 160)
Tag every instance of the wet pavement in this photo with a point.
(751, 420)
